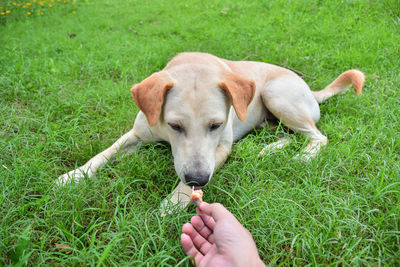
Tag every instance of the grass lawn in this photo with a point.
(64, 96)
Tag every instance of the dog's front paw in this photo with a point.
(169, 207)
(73, 176)
(177, 200)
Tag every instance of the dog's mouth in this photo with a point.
(194, 187)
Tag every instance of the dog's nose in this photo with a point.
(197, 179)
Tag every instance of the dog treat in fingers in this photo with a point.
(197, 196)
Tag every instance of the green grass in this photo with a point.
(63, 99)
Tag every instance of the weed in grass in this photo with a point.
(18, 10)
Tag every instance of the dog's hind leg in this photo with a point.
(124, 145)
(290, 100)
(271, 148)
(317, 141)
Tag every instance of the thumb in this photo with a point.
(216, 210)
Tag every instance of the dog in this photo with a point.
(201, 104)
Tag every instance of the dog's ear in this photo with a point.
(240, 91)
(149, 95)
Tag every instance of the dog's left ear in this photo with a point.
(240, 91)
(149, 95)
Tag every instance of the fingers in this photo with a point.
(207, 220)
(215, 210)
(200, 243)
(199, 224)
(190, 249)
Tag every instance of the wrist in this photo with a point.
(259, 263)
(249, 261)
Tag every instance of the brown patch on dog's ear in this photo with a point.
(240, 91)
(149, 95)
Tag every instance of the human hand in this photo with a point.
(216, 238)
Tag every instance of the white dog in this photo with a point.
(201, 104)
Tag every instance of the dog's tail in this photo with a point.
(341, 84)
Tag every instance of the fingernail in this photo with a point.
(201, 207)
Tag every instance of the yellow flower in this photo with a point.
(8, 11)
(74, 12)
(28, 4)
(41, 3)
(28, 13)
(34, 1)
(50, 5)
(2, 13)
(72, 3)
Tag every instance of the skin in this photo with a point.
(215, 237)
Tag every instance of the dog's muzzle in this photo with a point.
(197, 179)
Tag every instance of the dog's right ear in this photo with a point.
(149, 95)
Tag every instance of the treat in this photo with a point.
(197, 196)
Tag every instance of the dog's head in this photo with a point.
(192, 107)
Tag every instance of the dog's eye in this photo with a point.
(176, 127)
(215, 126)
